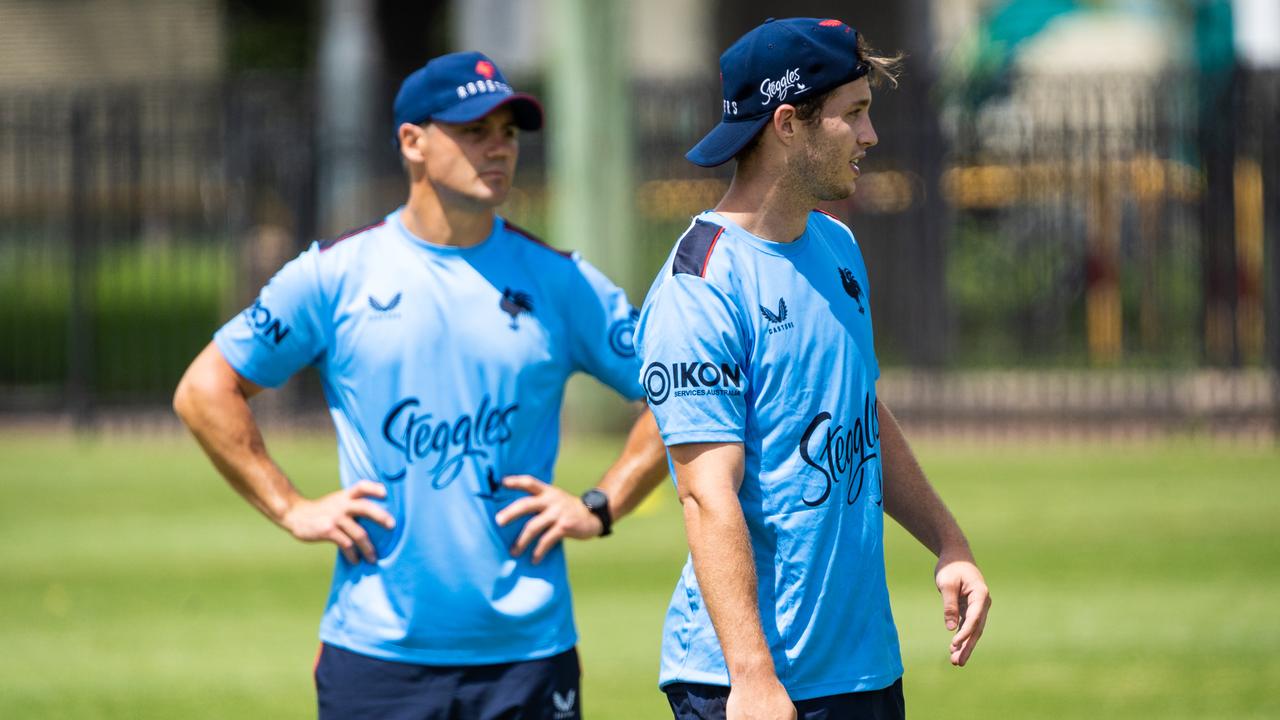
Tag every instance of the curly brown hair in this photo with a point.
(881, 70)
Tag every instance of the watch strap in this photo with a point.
(598, 503)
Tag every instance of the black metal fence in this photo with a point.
(1124, 224)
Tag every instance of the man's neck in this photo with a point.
(440, 224)
(765, 207)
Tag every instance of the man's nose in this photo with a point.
(501, 146)
(868, 137)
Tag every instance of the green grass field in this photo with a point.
(1129, 582)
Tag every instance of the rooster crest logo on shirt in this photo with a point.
(515, 302)
(852, 287)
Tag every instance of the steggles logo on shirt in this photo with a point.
(840, 451)
(444, 446)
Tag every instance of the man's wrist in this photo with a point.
(955, 552)
(753, 670)
(280, 506)
(598, 503)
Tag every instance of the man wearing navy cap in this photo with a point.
(760, 366)
(444, 336)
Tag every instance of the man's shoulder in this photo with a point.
(830, 225)
(702, 263)
(338, 257)
(696, 247)
(536, 246)
(328, 264)
(565, 272)
(350, 241)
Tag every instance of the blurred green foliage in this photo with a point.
(151, 309)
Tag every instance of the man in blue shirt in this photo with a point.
(760, 366)
(444, 336)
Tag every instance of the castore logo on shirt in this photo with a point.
(387, 307)
(777, 321)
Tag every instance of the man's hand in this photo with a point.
(556, 515)
(333, 518)
(763, 699)
(965, 601)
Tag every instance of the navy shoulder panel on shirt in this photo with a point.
(693, 250)
(326, 244)
(536, 240)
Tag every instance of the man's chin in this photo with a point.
(835, 194)
(490, 197)
(496, 191)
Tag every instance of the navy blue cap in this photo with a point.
(779, 61)
(461, 87)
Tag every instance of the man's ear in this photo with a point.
(412, 137)
(785, 123)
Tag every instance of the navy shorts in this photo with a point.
(706, 702)
(350, 685)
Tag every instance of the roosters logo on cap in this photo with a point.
(485, 68)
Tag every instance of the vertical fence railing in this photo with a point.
(1061, 227)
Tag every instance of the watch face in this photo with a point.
(595, 500)
(598, 503)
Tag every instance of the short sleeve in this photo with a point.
(695, 376)
(279, 333)
(602, 324)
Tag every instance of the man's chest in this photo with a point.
(812, 325)
(446, 320)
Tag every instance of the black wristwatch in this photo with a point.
(598, 503)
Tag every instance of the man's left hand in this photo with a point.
(556, 515)
(965, 601)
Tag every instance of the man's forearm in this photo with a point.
(708, 477)
(722, 560)
(638, 470)
(216, 411)
(910, 499)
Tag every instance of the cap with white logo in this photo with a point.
(461, 87)
(781, 61)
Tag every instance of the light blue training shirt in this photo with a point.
(770, 345)
(444, 370)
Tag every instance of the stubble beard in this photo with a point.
(816, 173)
